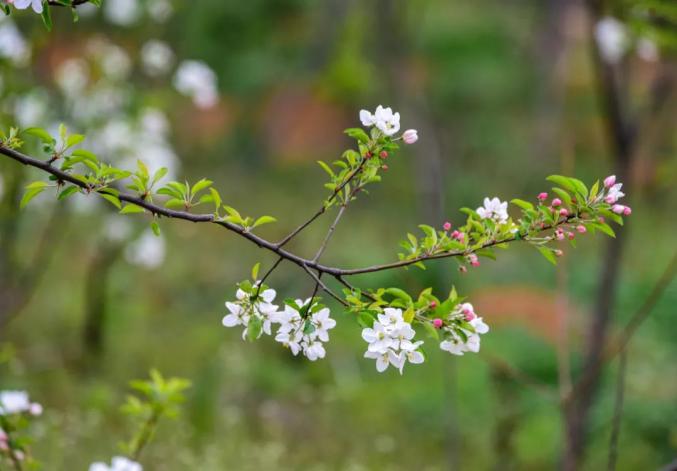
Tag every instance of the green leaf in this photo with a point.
(522, 204)
(40, 133)
(201, 185)
(254, 328)
(46, 15)
(326, 168)
(547, 253)
(263, 220)
(74, 139)
(216, 198)
(30, 194)
(357, 133)
(604, 227)
(131, 208)
(68, 192)
(562, 181)
(112, 199)
(398, 293)
(155, 227)
(255, 271)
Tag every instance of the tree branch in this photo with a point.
(275, 248)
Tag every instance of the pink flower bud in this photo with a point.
(474, 261)
(559, 234)
(556, 202)
(438, 323)
(384, 167)
(627, 211)
(571, 235)
(433, 304)
(383, 154)
(581, 229)
(369, 155)
(559, 253)
(463, 269)
(542, 196)
(410, 136)
(601, 219)
(618, 209)
(610, 199)
(610, 181)
(446, 226)
(563, 212)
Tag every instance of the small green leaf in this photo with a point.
(131, 208)
(40, 133)
(46, 15)
(357, 133)
(156, 228)
(30, 194)
(255, 271)
(522, 204)
(326, 168)
(68, 192)
(112, 199)
(201, 185)
(547, 253)
(263, 220)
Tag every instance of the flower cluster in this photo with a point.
(253, 309)
(388, 123)
(390, 341)
(119, 463)
(304, 326)
(462, 330)
(494, 209)
(613, 194)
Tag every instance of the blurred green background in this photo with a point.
(503, 94)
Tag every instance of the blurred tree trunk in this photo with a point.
(96, 302)
(620, 136)
(19, 278)
(507, 420)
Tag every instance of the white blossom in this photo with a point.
(244, 308)
(494, 209)
(614, 193)
(31, 108)
(196, 80)
(304, 333)
(390, 341)
(17, 402)
(458, 339)
(36, 5)
(119, 463)
(13, 46)
(156, 57)
(147, 251)
(72, 76)
(160, 10)
(383, 118)
(612, 39)
(122, 12)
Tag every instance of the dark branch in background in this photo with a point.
(618, 412)
(74, 3)
(261, 242)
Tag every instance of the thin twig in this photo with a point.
(324, 207)
(330, 232)
(324, 287)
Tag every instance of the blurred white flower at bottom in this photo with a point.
(122, 12)
(147, 251)
(119, 463)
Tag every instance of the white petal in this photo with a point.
(231, 320)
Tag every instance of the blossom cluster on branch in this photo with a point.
(389, 316)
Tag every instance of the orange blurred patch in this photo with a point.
(298, 125)
(537, 311)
